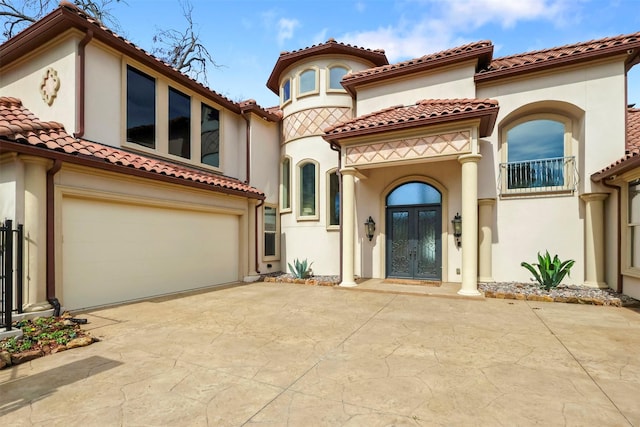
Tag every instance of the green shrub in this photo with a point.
(300, 269)
(550, 272)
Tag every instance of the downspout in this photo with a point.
(619, 261)
(336, 147)
(80, 84)
(51, 247)
(255, 245)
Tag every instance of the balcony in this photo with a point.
(558, 174)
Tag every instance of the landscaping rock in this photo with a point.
(79, 342)
(5, 358)
(25, 356)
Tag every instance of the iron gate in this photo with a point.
(11, 262)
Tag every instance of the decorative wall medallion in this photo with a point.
(49, 85)
(312, 121)
(410, 148)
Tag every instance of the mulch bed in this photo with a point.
(42, 336)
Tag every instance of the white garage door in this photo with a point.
(115, 252)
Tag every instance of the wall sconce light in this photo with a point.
(457, 228)
(370, 228)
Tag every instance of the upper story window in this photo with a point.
(308, 190)
(179, 124)
(286, 91)
(537, 155)
(308, 82)
(209, 135)
(335, 77)
(141, 108)
(285, 184)
(333, 198)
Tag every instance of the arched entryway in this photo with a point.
(414, 232)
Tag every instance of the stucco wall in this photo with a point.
(447, 82)
(105, 96)
(9, 175)
(23, 80)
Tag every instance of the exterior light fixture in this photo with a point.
(370, 228)
(457, 228)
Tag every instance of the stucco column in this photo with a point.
(252, 240)
(469, 224)
(35, 232)
(485, 236)
(594, 239)
(348, 226)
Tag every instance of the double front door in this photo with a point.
(414, 242)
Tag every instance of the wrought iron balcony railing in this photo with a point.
(537, 176)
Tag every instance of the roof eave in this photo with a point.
(551, 63)
(487, 118)
(622, 167)
(482, 54)
(8, 146)
(61, 20)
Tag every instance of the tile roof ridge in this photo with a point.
(420, 59)
(331, 41)
(569, 45)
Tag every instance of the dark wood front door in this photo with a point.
(414, 246)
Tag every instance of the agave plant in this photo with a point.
(300, 269)
(550, 272)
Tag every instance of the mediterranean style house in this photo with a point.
(133, 180)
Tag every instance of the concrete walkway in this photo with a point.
(286, 354)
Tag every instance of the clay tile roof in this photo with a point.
(481, 49)
(423, 113)
(19, 125)
(562, 55)
(631, 158)
(68, 16)
(376, 56)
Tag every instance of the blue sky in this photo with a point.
(246, 37)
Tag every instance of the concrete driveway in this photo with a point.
(285, 354)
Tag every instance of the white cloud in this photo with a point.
(320, 37)
(447, 23)
(286, 28)
(360, 6)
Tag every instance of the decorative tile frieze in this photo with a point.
(49, 85)
(410, 148)
(312, 121)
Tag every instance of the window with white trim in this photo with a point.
(336, 74)
(633, 223)
(308, 82)
(209, 135)
(270, 222)
(333, 198)
(537, 155)
(285, 91)
(308, 190)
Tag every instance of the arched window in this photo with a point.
(285, 91)
(414, 193)
(335, 77)
(308, 82)
(333, 198)
(308, 190)
(538, 156)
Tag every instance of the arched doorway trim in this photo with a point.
(444, 214)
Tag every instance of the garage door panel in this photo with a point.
(114, 252)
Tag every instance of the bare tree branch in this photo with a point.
(183, 50)
(16, 15)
